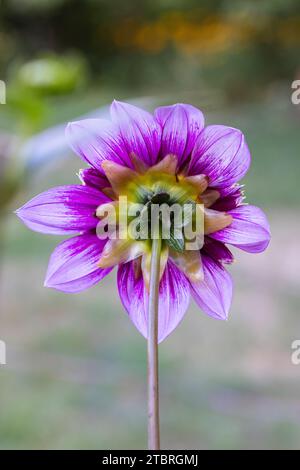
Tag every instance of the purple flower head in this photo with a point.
(132, 155)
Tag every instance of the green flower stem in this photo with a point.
(153, 395)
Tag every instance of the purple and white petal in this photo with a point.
(217, 251)
(92, 177)
(96, 140)
(140, 132)
(181, 125)
(63, 210)
(73, 266)
(214, 293)
(222, 154)
(230, 198)
(174, 295)
(249, 229)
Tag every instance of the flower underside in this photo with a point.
(165, 159)
(160, 185)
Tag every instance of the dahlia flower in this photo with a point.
(170, 155)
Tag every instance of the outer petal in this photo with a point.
(95, 140)
(214, 293)
(190, 263)
(63, 210)
(174, 297)
(215, 220)
(119, 177)
(181, 124)
(249, 229)
(222, 154)
(120, 251)
(73, 264)
(141, 133)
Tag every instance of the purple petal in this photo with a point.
(95, 140)
(214, 293)
(249, 229)
(174, 298)
(222, 154)
(195, 121)
(140, 131)
(181, 124)
(230, 198)
(63, 210)
(217, 251)
(73, 265)
(92, 177)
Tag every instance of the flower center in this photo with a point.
(166, 207)
(160, 198)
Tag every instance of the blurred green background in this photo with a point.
(76, 367)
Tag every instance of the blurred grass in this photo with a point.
(76, 368)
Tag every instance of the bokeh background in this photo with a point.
(76, 367)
